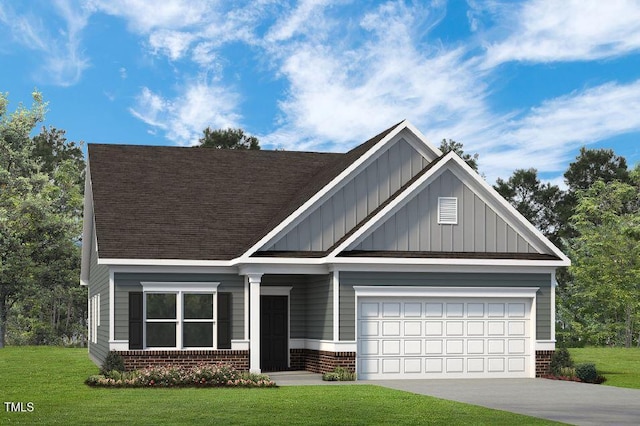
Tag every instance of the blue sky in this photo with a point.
(524, 84)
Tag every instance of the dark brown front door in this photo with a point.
(274, 333)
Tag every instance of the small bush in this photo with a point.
(560, 359)
(114, 361)
(202, 375)
(339, 374)
(568, 372)
(587, 372)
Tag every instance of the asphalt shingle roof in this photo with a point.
(154, 202)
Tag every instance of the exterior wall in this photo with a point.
(355, 200)
(321, 361)
(415, 226)
(350, 279)
(99, 284)
(319, 318)
(135, 360)
(128, 282)
(297, 302)
(543, 363)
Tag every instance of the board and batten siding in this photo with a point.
(99, 284)
(414, 227)
(350, 279)
(130, 282)
(354, 201)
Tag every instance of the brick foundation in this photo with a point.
(134, 360)
(543, 362)
(321, 361)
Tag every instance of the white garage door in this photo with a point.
(443, 337)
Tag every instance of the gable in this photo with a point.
(353, 201)
(415, 226)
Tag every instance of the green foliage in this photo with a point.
(448, 145)
(534, 200)
(339, 374)
(587, 372)
(561, 359)
(227, 139)
(113, 362)
(620, 365)
(204, 375)
(569, 372)
(40, 225)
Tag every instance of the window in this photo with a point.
(183, 318)
(447, 210)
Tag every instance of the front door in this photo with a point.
(274, 333)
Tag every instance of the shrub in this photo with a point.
(202, 375)
(114, 361)
(569, 372)
(560, 359)
(587, 372)
(339, 374)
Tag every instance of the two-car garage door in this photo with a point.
(402, 337)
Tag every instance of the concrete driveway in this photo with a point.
(568, 402)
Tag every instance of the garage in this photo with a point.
(451, 336)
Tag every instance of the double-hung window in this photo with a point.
(180, 315)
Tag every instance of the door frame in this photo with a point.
(281, 291)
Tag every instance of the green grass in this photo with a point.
(620, 366)
(52, 379)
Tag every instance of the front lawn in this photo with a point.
(620, 366)
(52, 379)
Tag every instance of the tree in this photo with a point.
(605, 290)
(592, 165)
(534, 200)
(227, 139)
(448, 145)
(40, 224)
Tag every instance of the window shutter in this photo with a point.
(224, 320)
(135, 320)
(448, 210)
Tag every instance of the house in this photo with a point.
(392, 260)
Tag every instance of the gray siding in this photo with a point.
(350, 279)
(128, 282)
(415, 226)
(355, 200)
(319, 307)
(99, 284)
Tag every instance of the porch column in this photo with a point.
(254, 322)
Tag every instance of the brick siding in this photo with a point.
(134, 360)
(543, 362)
(321, 361)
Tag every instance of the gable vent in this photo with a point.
(448, 210)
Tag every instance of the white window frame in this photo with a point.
(448, 204)
(94, 318)
(180, 289)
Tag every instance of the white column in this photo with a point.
(254, 322)
(335, 283)
(554, 284)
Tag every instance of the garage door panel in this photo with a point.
(440, 338)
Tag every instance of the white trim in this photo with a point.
(254, 322)
(170, 269)
(554, 284)
(545, 345)
(275, 291)
(178, 286)
(119, 345)
(162, 262)
(415, 291)
(533, 321)
(447, 210)
(323, 345)
(112, 307)
(335, 282)
(239, 345)
(88, 227)
(414, 267)
(246, 308)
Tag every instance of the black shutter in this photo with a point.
(224, 320)
(135, 320)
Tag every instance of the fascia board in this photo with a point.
(506, 207)
(353, 167)
(88, 228)
(446, 262)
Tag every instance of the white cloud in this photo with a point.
(184, 117)
(173, 44)
(61, 53)
(300, 20)
(547, 31)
